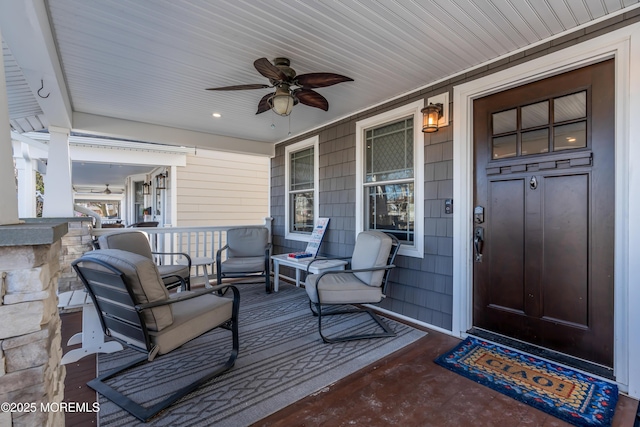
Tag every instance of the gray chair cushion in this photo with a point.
(243, 265)
(192, 318)
(372, 250)
(247, 242)
(147, 286)
(131, 241)
(343, 288)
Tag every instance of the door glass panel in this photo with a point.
(570, 107)
(138, 201)
(506, 121)
(535, 142)
(535, 115)
(567, 137)
(504, 146)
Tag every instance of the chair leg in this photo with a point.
(387, 331)
(267, 274)
(144, 414)
(267, 281)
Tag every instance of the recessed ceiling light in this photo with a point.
(217, 115)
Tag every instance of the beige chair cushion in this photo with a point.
(143, 277)
(343, 288)
(243, 265)
(192, 318)
(130, 241)
(247, 242)
(372, 250)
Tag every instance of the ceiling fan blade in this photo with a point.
(312, 80)
(267, 69)
(311, 98)
(263, 105)
(241, 87)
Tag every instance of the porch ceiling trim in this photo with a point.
(118, 128)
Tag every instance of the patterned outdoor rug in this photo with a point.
(564, 393)
(282, 359)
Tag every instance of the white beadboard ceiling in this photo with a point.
(150, 61)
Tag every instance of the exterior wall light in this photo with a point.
(436, 114)
(161, 181)
(431, 114)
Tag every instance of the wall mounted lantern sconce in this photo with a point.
(431, 114)
(161, 181)
(436, 114)
(146, 188)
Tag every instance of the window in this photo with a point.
(389, 176)
(538, 134)
(301, 182)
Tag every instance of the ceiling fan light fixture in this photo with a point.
(282, 101)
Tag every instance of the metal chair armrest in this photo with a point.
(183, 296)
(183, 283)
(176, 253)
(219, 254)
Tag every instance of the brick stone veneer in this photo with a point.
(30, 340)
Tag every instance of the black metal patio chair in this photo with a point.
(136, 309)
(247, 250)
(138, 242)
(364, 283)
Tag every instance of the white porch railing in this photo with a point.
(199, 241)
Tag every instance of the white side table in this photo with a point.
(317, 267)
(200, 261)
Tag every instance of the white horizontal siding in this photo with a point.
(219, 188)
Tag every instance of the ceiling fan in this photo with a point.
(290, 88)
(105, 191)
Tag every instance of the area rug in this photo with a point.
(282, 360)
(562, 392)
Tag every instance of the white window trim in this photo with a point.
(310, 142)
(417, 250)
(624, 46)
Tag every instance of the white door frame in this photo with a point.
(624, 46)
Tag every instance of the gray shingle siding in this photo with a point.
(418, 288)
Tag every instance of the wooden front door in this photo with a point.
(544, 216)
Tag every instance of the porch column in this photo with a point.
(58, 191)
(8, 191)
(26, 180)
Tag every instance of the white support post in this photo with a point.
(8, 190)
(26, 180)
(58, 191)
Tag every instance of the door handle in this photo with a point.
(478, 243)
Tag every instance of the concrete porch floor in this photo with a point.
(406, 388)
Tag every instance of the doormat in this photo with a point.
(562, 392)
